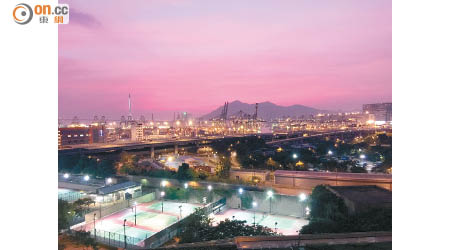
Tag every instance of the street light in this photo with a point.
(254, 205)
(362, 156)
(209, 187)
(108, 181)
(241, 190)
(124, 233)
(302, 197)
(330, 152)
(270, 194)
(186, 185)
(163, 183)
(66, 176)
(294, 156)
(86, 177)
(162, 203)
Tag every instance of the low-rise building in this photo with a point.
(81, 135)
(310, 179)
(120, 191)
(257, 176)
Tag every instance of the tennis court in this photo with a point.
(286, 225)
(141, 223)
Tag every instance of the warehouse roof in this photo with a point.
(118, 187)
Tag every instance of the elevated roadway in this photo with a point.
(299, 136)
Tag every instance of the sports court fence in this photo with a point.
(168, 233)
(105, 211)
(71, 196)
(116, 239)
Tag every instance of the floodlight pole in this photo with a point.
(186, 193)
(95, 230)
(135, 208)
(124, 233)
(270, 205)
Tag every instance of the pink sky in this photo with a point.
(193, 55)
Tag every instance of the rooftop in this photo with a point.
(333, 175)
(250, 171)
(118, 187)
(364, 195)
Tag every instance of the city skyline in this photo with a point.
(195, 55)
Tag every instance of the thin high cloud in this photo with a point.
(196, 55)
(84, 19)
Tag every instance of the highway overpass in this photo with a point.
(316, 134)
(175, 143)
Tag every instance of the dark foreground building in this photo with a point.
(362, 198)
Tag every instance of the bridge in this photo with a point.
(152, 145)
(175, 143)
(348, 132)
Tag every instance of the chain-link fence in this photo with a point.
(168, 233)
(71, 196)
(116, 239)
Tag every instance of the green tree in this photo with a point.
(106, 168)
(329, 215)
(326, 205)
(195, 227)
(223, 167)
(271, 164)
(199, 228)
(126, 163)
(80, 206)
(65, 214)
(85, 239)
(184, 172)
(355, 169)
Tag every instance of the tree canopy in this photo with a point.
(330, 215)
(199, 227)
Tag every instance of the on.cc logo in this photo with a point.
(22, 13)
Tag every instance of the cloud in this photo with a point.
(84, 19)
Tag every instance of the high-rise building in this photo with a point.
(137, 132)
(59, 139)
(382, 112)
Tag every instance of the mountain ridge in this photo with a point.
(266, 110)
